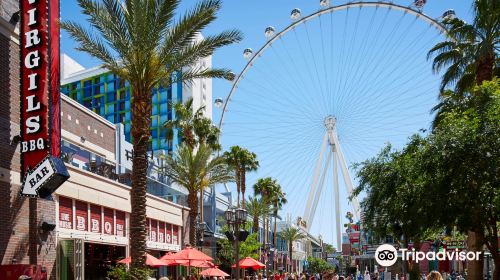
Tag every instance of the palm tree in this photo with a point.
(268, 189)
(257, 208)
(242, 161)
(193, 127)
(291, 234)
(142, 42)
(278, 198)
(196, 170)
(470, 52)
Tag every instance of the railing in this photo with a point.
(82, 158)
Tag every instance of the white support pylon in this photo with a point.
(314, 183)
(316, 189)
(319, 190)
(337, 198)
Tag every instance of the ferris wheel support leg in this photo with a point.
(347, 177)
(314, 182)
(336, 198)
(314, 205)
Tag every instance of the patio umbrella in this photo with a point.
(150, 261)
(202, 264)
(191, 254)
(214, 272)
(250, 263)
(170, 259)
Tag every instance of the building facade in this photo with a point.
(83, 228)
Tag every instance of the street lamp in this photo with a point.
(235, 218)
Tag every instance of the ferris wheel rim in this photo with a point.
(406, 9)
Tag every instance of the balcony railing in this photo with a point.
(87, 160)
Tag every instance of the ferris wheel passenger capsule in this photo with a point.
(324, 3)
(247, 53)
(449, 14)
(218, 102)
(269, 32)
(295, 14)
(419, 3)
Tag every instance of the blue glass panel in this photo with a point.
(154, 110)
(154, 121)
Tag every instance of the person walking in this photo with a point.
(434, 275)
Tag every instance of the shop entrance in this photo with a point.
(100, 258)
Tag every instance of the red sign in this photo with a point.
(95, 218)
(175, 235)
(120, 223)
(42, 168)
(65, 213)
(81, 215)
(108, 221)
(161, 232)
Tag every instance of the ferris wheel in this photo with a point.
(328, 91)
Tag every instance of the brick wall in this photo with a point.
(20, 241)
(76, 119)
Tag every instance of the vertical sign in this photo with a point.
(42, 169)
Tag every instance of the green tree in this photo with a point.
(291, 234)
(242, 161)
(463, 159)
(192, 126)
(318, 265)
(257, 208)
(396, 202)
(196, 170)
(248, 248)
(270, 191)
(140, 41)
(470, 55)
(470, 52)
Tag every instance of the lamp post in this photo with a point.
(235, 218)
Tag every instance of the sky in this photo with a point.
(367, 67)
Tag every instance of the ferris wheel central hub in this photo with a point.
(330, 122)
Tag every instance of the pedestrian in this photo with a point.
(434, 275)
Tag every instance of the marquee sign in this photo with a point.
(42, 169)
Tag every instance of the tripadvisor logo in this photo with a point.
(386, 255)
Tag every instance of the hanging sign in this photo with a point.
(42, 169)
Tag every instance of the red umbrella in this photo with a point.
(191, 254)
(214, 272)
(250, 263)
(150, 261)
(170, 259)
(202, 264)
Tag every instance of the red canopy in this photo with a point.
(150, 261)
(214, 272)
(169, 259)
(191, 254)
(250, 263)
(202, 264)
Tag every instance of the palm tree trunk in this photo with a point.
(275, 238)
(243, 187)
(192, 201)
(238, 188)
(141, 109)
(290, 251)
(255, 226)
(484, 70)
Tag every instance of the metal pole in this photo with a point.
(237, 250)
(337, 198)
